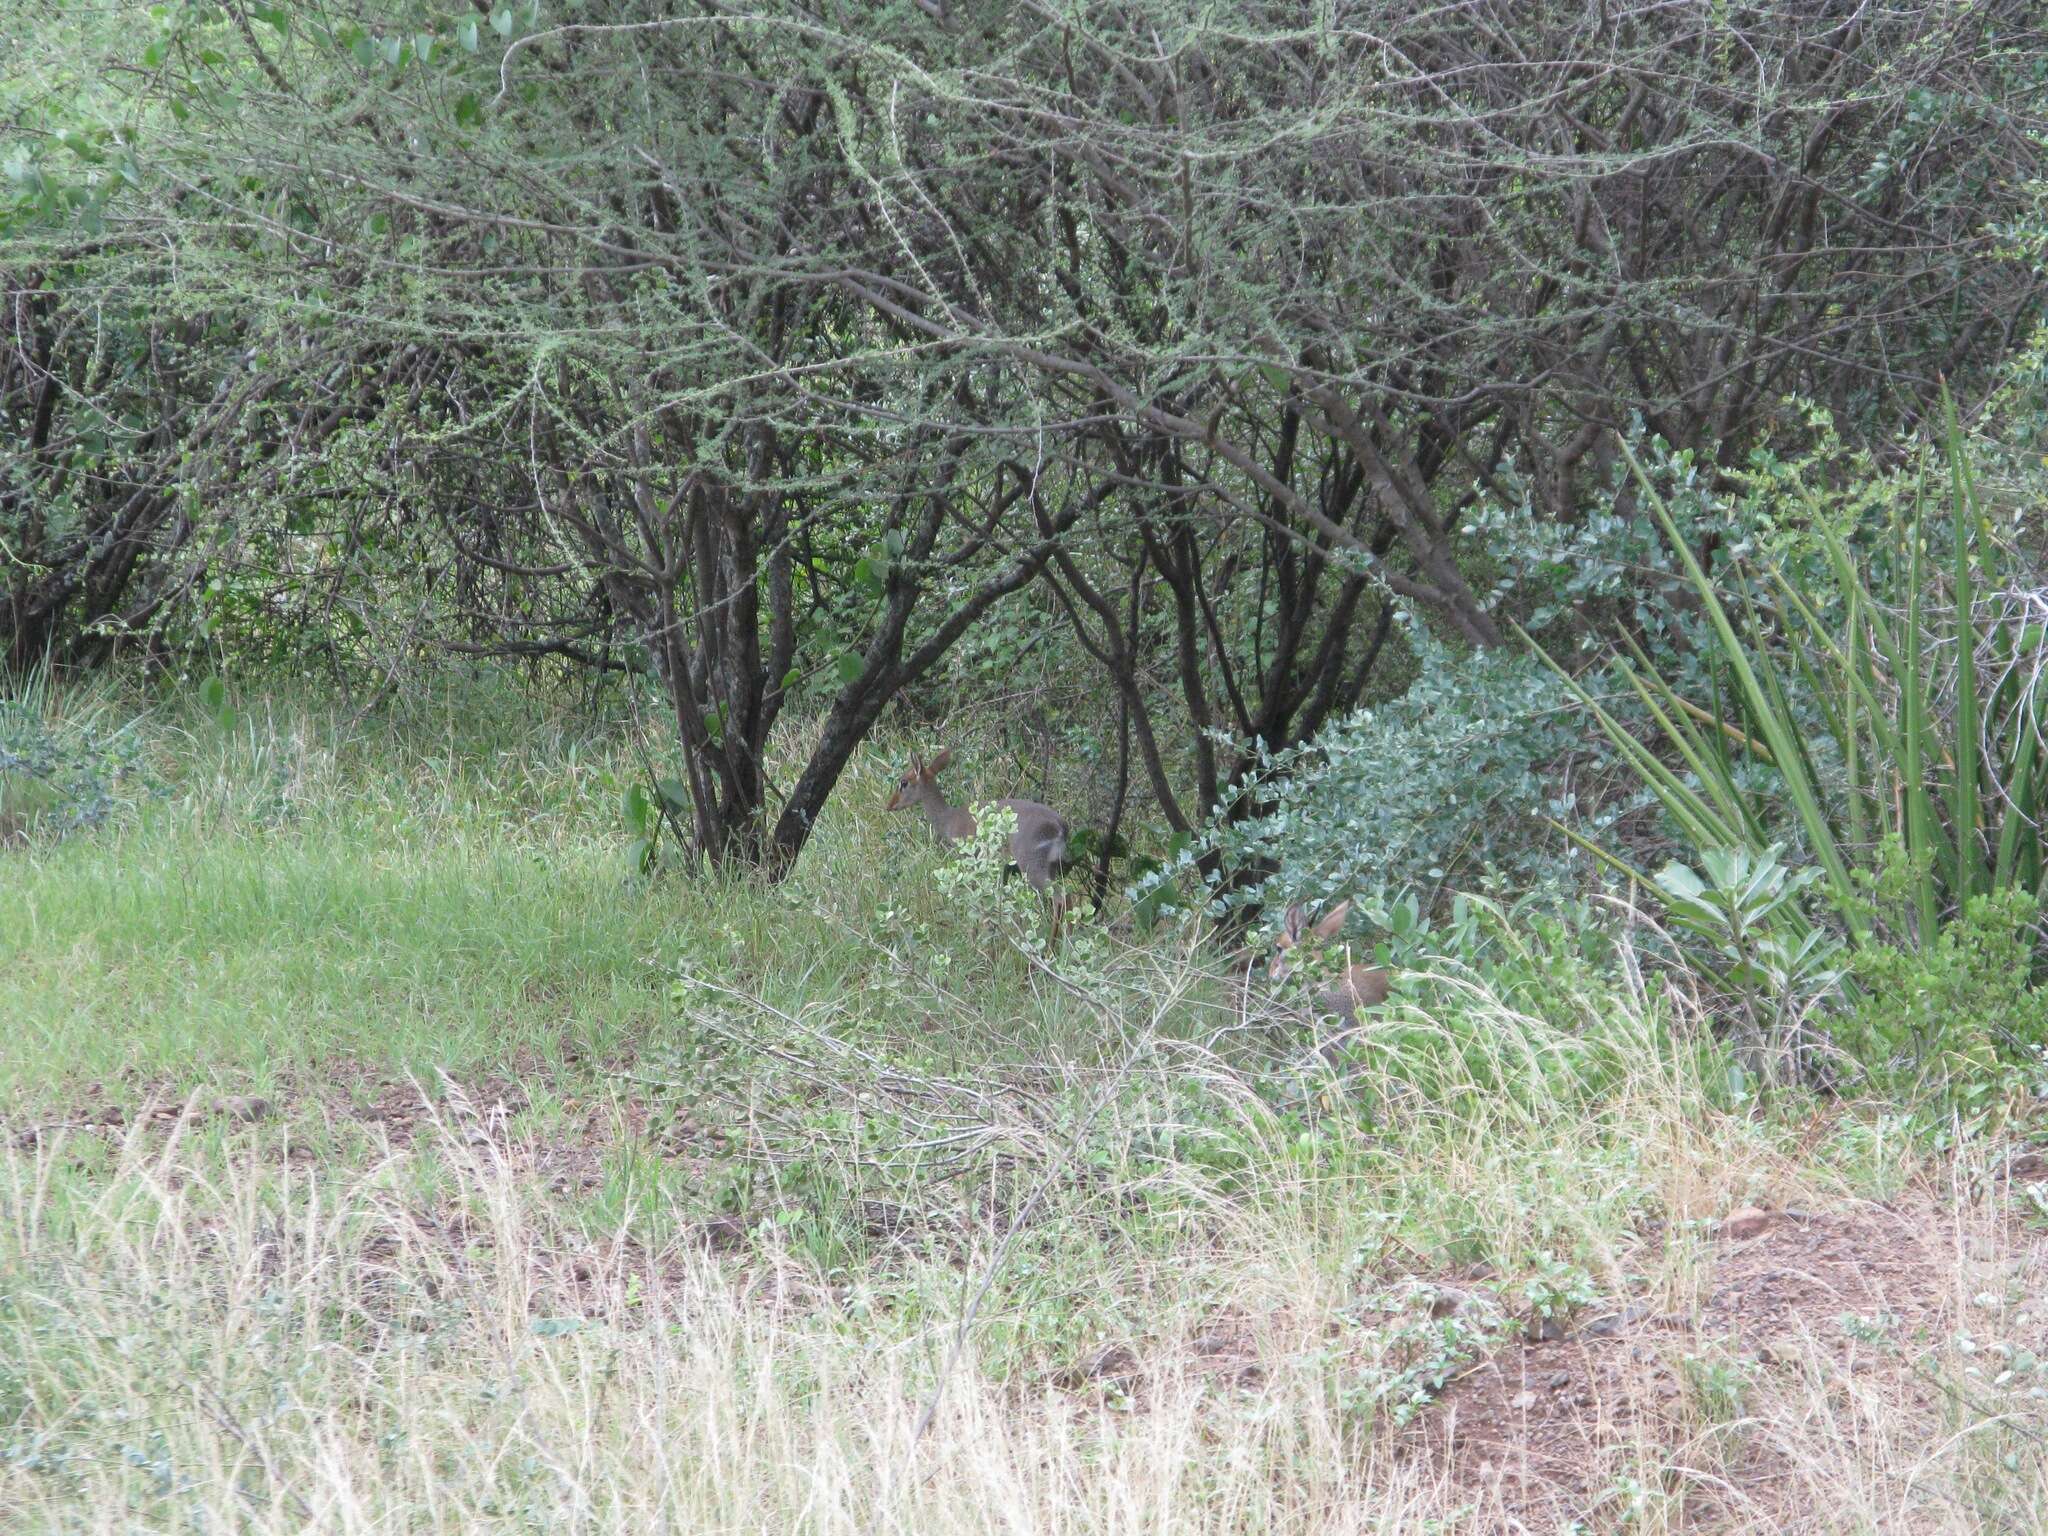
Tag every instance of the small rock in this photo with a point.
(1111, 1360)
(1745, 1223)
(723, 1233)
(879, 1218)
(1524, 1401)
(2030, 1164)
(1558, 1379)
(1610, 1325)
(1545, 1330)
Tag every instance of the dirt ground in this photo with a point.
(1800, 1317)
(1727, 1395)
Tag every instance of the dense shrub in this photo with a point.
(1459, 774)
(1955, 1016)
(59, 775)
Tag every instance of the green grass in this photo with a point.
(594, 1203)
(280, 904)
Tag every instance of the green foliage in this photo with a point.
(1512, 1003)
(976, 882)
(62, 769)
(1557, 1291)
(1874, 705)
(1870, 693)
(1424, 1340)
(1750, 931)
(1459, 774)
(1956, 1016)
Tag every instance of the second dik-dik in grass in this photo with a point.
(1038, 846)
(1356, 987)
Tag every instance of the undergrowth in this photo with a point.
(385, 1151)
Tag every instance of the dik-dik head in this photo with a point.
(1295, 929)
(919, 777)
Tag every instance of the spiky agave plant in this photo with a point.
(1931, 700)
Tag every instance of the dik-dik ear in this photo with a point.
(1290, 925)
(1333, 921)
(945, 756)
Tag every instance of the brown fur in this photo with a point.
(1038, 846)
(1360, 986)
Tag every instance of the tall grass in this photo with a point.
(837, 1206)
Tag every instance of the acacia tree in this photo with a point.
(1463, 246)
(770, 337)
(640, 430)
(1312, 287)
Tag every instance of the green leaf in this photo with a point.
(674, 797)
(1680, 881)
(1780, 734)
(850, 667)
(468, 111)
(465, 34)
(639, 812)
(501, 21)
(213, 693)
(1404, 916)
(1276, 376)
(865, 577)
(791, 678)
(1971, 877)
(392, 48)
(640, 855)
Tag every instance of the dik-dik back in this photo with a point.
(1358, 986)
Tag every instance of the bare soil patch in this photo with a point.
(1716, 1405)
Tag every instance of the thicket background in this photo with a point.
(849, 359)
(492, 494)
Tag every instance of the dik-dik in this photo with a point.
(1038, 846)
(1358, 986)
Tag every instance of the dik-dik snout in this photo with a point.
(1358, 986)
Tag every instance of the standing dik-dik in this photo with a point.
(1038, 846)
(1359, 986)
